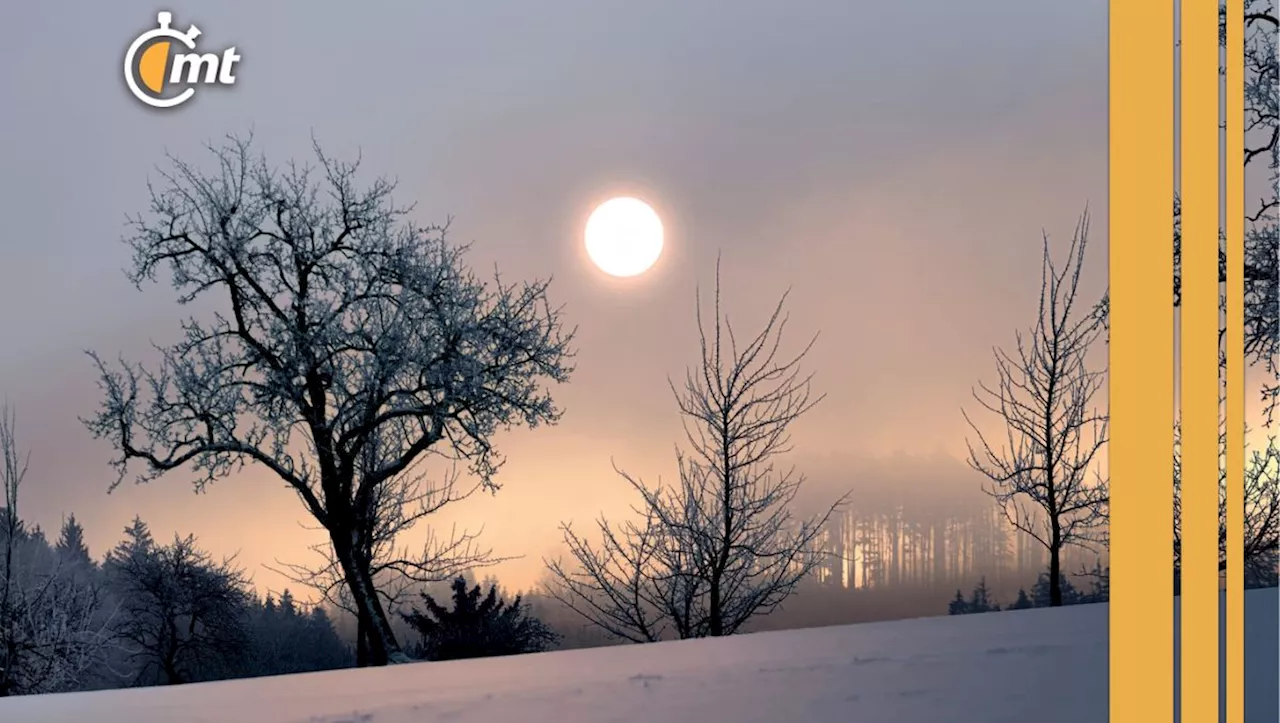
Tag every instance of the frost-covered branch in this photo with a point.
(342, 326)
(53, 626)
(1044, 471)
(722, 546)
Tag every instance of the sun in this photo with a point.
(624, 237)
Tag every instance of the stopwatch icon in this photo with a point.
(164, 30)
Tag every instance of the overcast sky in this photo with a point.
(894, 162)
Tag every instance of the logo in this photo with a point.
(162, 78)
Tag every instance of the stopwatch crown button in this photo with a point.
(164, 18)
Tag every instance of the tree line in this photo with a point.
(166, 613)
(983, 600)
(147, 613)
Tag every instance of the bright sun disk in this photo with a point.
(624, 237)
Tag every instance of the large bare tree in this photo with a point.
(1045, 475)
(53, 629)
(341, 325)
(723, 545)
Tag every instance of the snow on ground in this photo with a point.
(1041, 665)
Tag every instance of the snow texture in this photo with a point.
(1046, 666)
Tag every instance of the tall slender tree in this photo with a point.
(1044, 475)
(723, 545)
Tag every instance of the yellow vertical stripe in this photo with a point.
(1234, 213)
(1140, 241)
(1199, 358)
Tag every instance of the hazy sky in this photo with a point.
(893, 162)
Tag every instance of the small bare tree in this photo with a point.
(1044, 476)
(343, 326)
(723, 545)
(184, 615)
(52, 626)
(639, 583)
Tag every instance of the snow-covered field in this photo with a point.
(1035, 665)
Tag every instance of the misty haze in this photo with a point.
(452, 332)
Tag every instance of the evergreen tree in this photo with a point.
(137, 542)
(71, 548)
(1041, 592)
(287, 607)
(289, 639)
(1023, 602)
(958, 606)
(325, 650)
(1099, 584)
(982, 601)
(476, 627)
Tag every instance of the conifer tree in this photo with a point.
(1042, 596)
(1023, 602)
(477, 627)
(71, 548)
(982, 602)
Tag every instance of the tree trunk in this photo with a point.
(170, 669)
(362, 642)
(1055, 568)
(380, 642)
(715, 623)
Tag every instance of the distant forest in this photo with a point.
(905, 543)
(913, 531)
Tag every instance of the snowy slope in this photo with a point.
(1041, 665)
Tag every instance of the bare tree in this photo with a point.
(52, 626)
(639, 583)
(1044, 475)
(184, 616)
(723, 545)
(343, 324)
